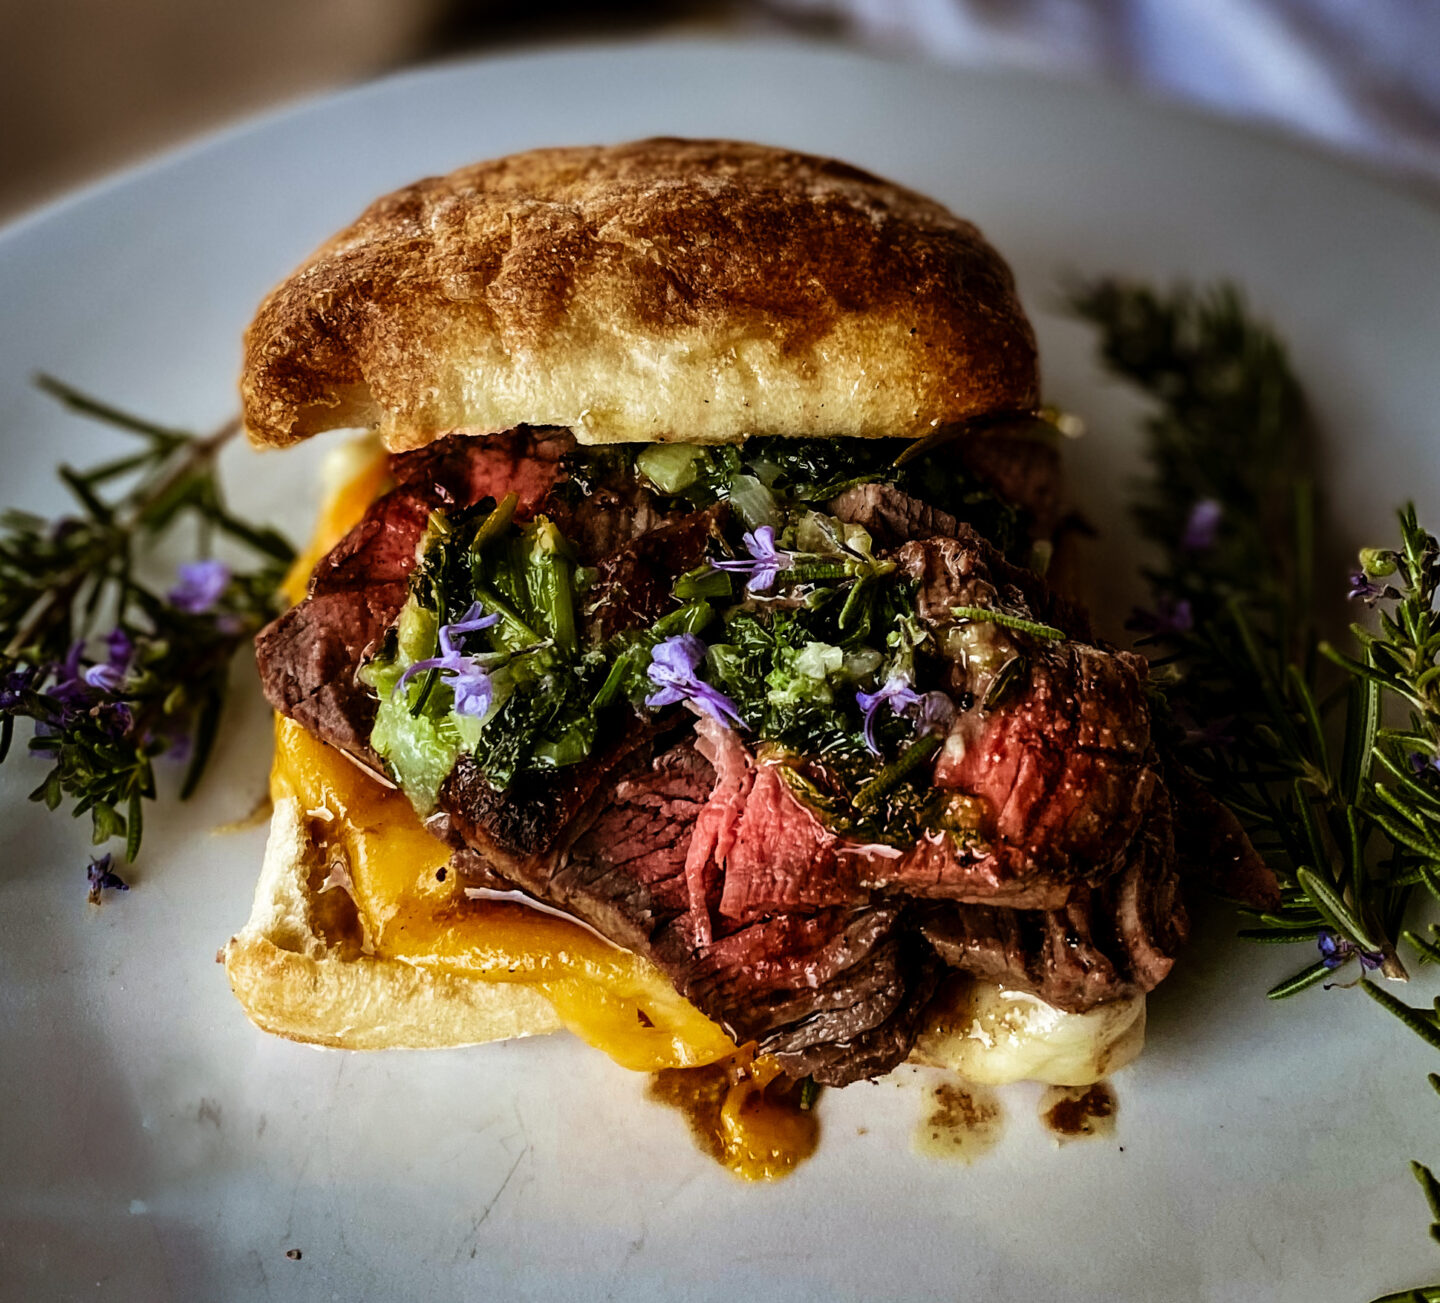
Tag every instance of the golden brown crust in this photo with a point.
(665, 289)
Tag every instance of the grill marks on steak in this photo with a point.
(891, 516)
(1064, 773)
(697, 856)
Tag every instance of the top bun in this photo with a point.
(687, 290)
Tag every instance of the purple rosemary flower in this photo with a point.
(14, 684)
(202, 584)
(674, 666)
(472, 621)
(120, 646)
(102, 877)
(110, 676)
(896, 693)
(1420, 763)
(1334, 951)
(69, 689)
(467, 678)
(1364, 589)
(473, 691)
(1167, 619)
(1202, 527)
(766, 561)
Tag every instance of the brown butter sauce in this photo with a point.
(964, 1122)
(1076, 1112)
(751, 1123)
(748, 1120)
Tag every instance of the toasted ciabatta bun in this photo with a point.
(662, 290)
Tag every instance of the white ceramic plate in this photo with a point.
(155, 1146)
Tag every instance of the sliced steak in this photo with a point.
(794, 982)
(890, 516)
(601, 514)
(782, 859)
(460, 470)
(875, 1050)
(964, 570)
(625, 872)
(1022, 470)
(633, 583)
(1056, 781)
(1105, 943)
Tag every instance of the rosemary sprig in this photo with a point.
(1276, 723)
(1254, 697)
(158, 689)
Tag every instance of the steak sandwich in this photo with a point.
(682, 669)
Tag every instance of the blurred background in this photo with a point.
(87, 86)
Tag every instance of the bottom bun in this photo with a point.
(299, 968)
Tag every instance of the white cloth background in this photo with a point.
(1361, 75)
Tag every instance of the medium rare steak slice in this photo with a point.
(794, 982)
(782, 858)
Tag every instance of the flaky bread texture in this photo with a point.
(299, 969)
(692, 290)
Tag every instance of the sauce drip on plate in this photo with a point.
(743, 1114)
(964, 1122)
(1073, 1112)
